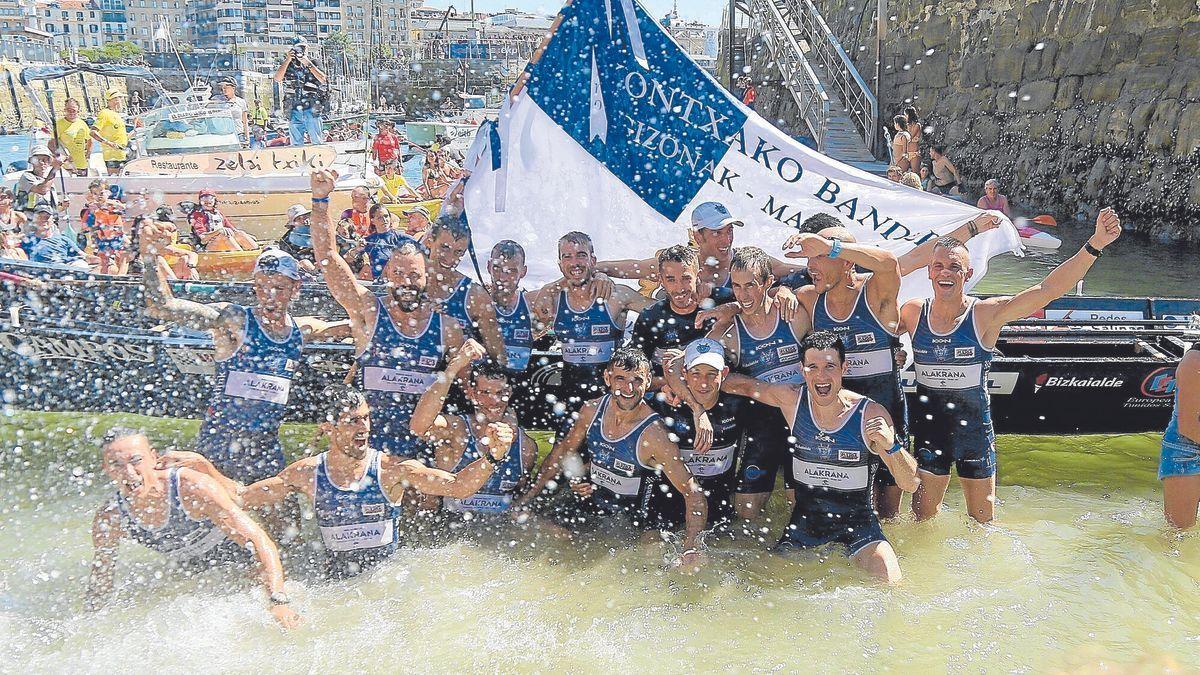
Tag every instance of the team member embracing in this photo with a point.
(953, 337)
(835, 432)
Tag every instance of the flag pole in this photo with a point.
(523, 78)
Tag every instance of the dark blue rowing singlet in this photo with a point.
(455, 307)
(393, 371)
(253, 384)
(357, 522)
(623, 483)
(496, 494)
(773, 358)
(181, 537)
(589, 338)
(517, 328)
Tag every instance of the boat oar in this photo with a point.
(1045, 219)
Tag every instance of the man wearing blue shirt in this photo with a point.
(52, 246)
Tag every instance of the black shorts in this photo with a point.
(667, 506)
(810, 530)
(959, 436)
(765, 450)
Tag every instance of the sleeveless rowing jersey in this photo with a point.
(723, 293)
(357, 522)
(517, 328)
(870, 354)
(726, 420)
(181, 537)
(623, 484)
(393, 371)
(496, 494)
(774, 358)
(455, 307)
(589, 338)
(833, 475)
(254, 382)
(952, 368)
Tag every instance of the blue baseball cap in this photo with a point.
(275, 261)
(713, 216)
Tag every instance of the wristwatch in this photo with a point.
(492, 460)
(279, 598)
(1087, 246)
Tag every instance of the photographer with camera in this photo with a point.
(309, 94)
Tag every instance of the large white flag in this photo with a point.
(620, 135)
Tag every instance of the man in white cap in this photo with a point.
(308, 85)
(712, 232)
(240, 108)
(109, 130)
(38, 185)
(257, 354)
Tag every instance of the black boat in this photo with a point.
(1084, 365)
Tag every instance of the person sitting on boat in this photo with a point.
(110, 234)
(54, 247)
(992, 199)
(110, 131)
(297, 240)
(39, 183)
(214, 231)
(954, 339)
(395, 188)
(373, 250)
(94, 200)
(356, 220)
(417, 221)
(438, 173)
(355, 488)
(12, 222)
(1179, 463)
(186, 515)
(182, 260)
(385, 147)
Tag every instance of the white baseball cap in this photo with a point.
(704, 351)
(275, 261)
(296, 210)
(713, 216)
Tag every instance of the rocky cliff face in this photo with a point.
(1071, 104)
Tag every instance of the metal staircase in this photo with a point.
(834, 101)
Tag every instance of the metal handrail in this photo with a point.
(799, 78)
(861, 103)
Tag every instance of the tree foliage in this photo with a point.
(113, 52)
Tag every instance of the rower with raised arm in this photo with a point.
(183, 514)
(400, 339)
(835, 433)
(954, 336)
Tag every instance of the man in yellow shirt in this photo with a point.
(110, 130)
(395, 189)
(73, 135)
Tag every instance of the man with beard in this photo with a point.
(400, 339)
(712, 231)
(257, 354)
(460, 298)
(627, 449)
(671, 322)
(835, 433)
(181, 513)
(458, 439)
(954, 336)
(589, 334)
(354, 488)
(760, 343)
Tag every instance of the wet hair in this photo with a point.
(752, 259)
(911, 179)
(578, 238)
(821, 340)
(819, 221)
(679, 253)
(900, 121)
(629, 358)
(488, 368)
(508, 250)
(949, 242)
(117, 433)
(340, 399)
(454, 225)
(939, 148)
(910, 114)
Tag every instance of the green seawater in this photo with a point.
(1078, 573)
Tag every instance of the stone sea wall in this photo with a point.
(1071, 104)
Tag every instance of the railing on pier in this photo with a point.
(798, 76)
(861, 104)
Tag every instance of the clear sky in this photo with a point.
(708, 11)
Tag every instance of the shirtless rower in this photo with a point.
(627, 451)
(954, 336)
(257, 356)
(183, 514)
(457, 439)
(760, 343)
(589, 334)
(461, 299)
(355, 489)
(712, 230)
(835, 433)
(400, 339)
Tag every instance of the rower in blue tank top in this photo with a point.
(952, 416)
(455, 307)
(393, 371)
(517, 328)
(589, 337)
(772, 358)
(357, 521)
(181, 538)
(240, 433)
(870, 354)
(623, 484)
(497, 493)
